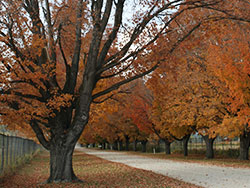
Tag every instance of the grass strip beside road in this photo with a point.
(95, 172)
(197, 158)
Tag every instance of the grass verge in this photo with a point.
(11, 168)
(219, 160)
(95, 172)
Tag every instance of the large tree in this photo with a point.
(54, 54)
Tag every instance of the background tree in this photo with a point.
(231, 65)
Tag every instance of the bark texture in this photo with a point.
(185, 144)
(135, 145)
(120, 146)
(244, 146)
(115, 145)
(127, 143)
(167, 147)
(61, 167)
(209, 147)
(144, 145)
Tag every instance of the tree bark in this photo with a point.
(244, 146)
(108, 145)
(115, 145)
(120, 145)
(167, 147)
(103, 145)
(209, 147)
(185, 144)
(144, 145)
(61, 169)
(135, 145)
(127, 143)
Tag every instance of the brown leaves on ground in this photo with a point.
(95, 172)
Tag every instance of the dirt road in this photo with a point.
(204, 175)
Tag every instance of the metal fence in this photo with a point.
(13, 149)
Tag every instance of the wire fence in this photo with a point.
(13, 149)
(195, 145)
(198, 143)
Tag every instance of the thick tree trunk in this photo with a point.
(135, 145)
(244, 146)
(185, 144)
(127, 143)
(144, 145)
(61, 169)
(167, 147)
(209, 147)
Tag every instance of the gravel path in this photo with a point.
(198, 174)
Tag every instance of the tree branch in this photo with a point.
(71, 81)
(117, 85)
(39, 134)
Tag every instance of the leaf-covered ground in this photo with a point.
(95, 172)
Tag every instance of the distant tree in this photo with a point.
(229, 58)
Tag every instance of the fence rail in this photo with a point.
(13, 149)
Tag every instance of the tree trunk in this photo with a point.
(209, 147)
(185, 144)
(120, 146)
(61, 169)
(144, 145)
(108, 145)
(103, 145)
(167, 147)
(127, 143)
(244, 146)
(135, 145)
(115, 145)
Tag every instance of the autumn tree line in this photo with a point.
(68, 66)
(203, 88)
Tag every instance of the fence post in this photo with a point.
(11, 150)
(23, 147)
(2, 146)
(15, 148)
(7, 151)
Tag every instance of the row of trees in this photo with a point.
(59, 57)
(204, 89)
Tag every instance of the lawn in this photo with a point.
(95, 172)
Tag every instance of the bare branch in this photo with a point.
(71, 81)
(39, 134)
(117, 85)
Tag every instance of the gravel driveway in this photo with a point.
(198, 174)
